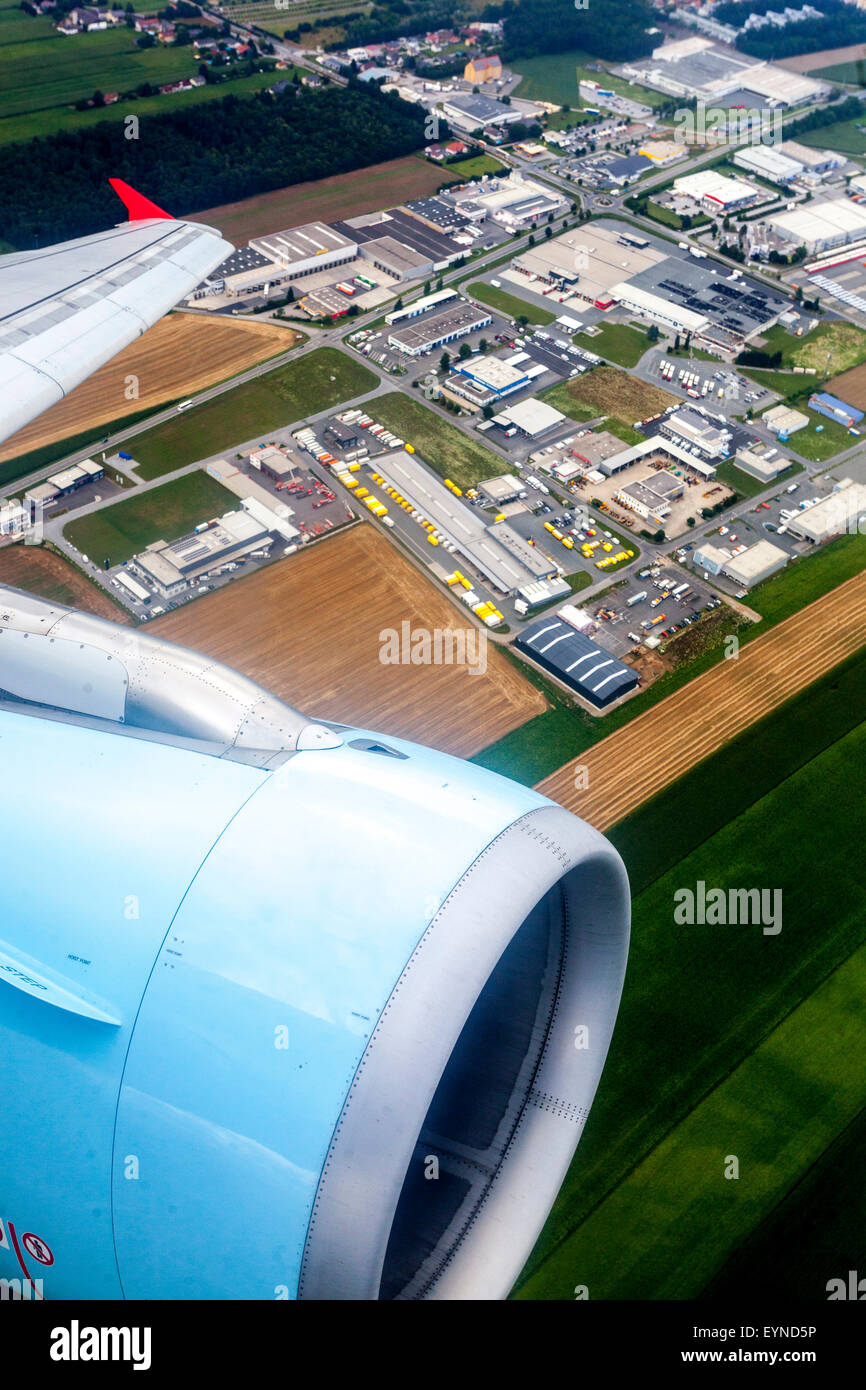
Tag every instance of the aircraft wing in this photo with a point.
(68, 309)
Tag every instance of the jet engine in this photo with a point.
(287, 1009)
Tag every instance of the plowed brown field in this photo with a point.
(309, 629)
(327, 200)
(658, 746)
(181, 354)
(50, 576)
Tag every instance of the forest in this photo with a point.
(840, 24)
(198, 157)
(615, 31)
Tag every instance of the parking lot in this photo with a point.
(767, 521)
(657, 601)
(81, 497)
(721, 389)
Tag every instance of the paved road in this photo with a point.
(317, 337)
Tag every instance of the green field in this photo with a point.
(543, 744)
(848, 137)
(18, 27)
(625, 432)
(568, 120)
(729, 1041)
(554, 77)
(617, 342)
(442, 445)
(45, 73)
(668, 218)
(117, 532)
(846, 74)
(311, 383)
(836, 345)
(797, 1250)
(822, 437)
(580, 579)
(477, 166)
(46, 122)
(264, 15)
(745, 484)
(509, 304)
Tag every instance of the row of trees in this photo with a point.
(199, 157)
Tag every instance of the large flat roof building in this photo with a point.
(768, 162)
(821, 226)
(307, 249)
(717, 192)
(577, 661)
(842, 511)
(531, 417)
(760, 465)
(651, 497)
(504, 566)
(693, 429)
(756, 563)
(470, 111)
(438, 329)
(170, 566)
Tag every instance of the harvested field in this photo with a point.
(851, 386)
(660, 745)
(811, 62)
(308, 629)
(608, 391)
(343, 195)
(181, 354)
(50, 576)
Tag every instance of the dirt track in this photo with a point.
(637, 761)
(309, 629)
(181, 354)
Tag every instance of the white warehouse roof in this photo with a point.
(706, 183)
(531, 416)
(755, 563)
(817, 224)
(658, 308)
(833, 515)
(769, 162)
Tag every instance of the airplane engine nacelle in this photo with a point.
(324, 1023)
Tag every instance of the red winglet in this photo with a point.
(136, 204)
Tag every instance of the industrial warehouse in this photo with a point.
(821, 226)
(170, 567)
(496, 549)
(577, 661)
(438, 329)
(601, 266)
(698, 67)
(357, 260)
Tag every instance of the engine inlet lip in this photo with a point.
(390, 1093)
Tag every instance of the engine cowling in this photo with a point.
(322, 1021)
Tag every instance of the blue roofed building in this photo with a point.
(576, 660)
(835, 409)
